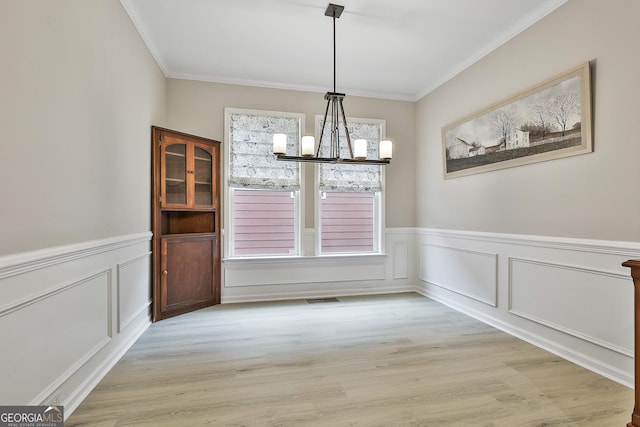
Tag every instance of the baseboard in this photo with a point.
(293, 295)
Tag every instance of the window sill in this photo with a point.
(297, 259)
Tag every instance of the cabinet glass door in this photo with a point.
(203, 180)
(175, 181)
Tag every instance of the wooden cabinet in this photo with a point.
(186, 222)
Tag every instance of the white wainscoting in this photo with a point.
(67, 316)
(263, 279)
(569, 296)
(478, 279)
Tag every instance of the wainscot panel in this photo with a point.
(291, 271)
(69, 313)
(571, 297)
(584, 302)
(133, 300)
(476, 280)
(401, 260)
(88, 299)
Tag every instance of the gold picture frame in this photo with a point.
(549, 121)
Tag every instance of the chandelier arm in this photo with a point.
(335, 133)
(324, 123)
(346, 129)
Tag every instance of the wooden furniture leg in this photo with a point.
(635, 273)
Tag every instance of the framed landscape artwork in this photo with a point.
(549, 121)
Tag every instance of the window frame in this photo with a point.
(228, 192)
(379, 199)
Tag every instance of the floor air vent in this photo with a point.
(316, 300)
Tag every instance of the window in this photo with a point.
(350, 195)
(263, 208)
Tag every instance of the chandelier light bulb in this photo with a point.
(279, 143)
(386, 149)
(360, 149)
(307, 145)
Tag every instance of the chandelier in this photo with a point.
(333, 117)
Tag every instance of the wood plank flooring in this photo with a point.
(393, 360)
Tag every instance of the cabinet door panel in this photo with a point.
(203, 171)
(174, 183)
(188, 272)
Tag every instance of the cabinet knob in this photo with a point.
(164, 273)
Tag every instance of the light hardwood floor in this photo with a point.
(394, 360)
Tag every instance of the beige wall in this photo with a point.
(587, 196)
(198, 108)
(79, 90)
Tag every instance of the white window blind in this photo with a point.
(252, 163)
(351, 177)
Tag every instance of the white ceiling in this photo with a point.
(400, 49)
